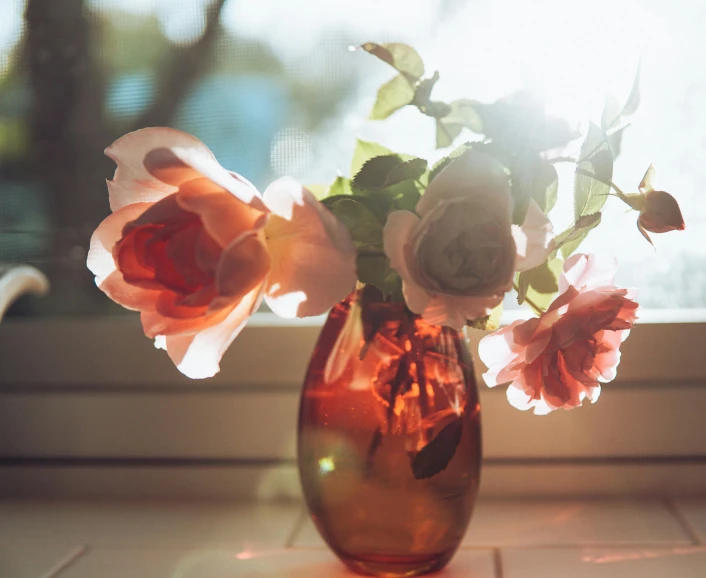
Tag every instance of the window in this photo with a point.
(273, 89)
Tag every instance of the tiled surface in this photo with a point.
(211, 524)
(204, 563)
(573, 522)
(503, 523)
(693, 513)
(21, 558)
(507, 539)
(674, 562)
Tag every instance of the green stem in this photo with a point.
(537, 309)
(617, 189)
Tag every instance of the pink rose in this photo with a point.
(560, 358)
(195, 247)
(457, 255)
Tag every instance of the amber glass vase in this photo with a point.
(389, 438)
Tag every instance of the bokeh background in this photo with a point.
(273, 89)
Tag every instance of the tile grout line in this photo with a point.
(498, 562)
(298, 525)
(69, 561)
(683, 521)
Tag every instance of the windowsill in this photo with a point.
(89, 406)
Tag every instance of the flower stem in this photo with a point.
(537, 309)
(617, 189)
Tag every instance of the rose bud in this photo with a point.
(660, 213)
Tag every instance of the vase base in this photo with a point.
(396, 566)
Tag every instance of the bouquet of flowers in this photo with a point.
(195, 248)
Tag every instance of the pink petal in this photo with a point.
(313, 258)
(127, 295)
(153, 162)
(132, 182)
(397, 235)
(497, 350)
(100, 255)
(154, 323)
(225, 217)
(588, 271)
(520, 400)
(198, 355)
(532, 239)
(472, 174)
(243, 266)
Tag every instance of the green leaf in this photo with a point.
(464, 113)
(518, 122)
(569, 240)
(540, 284)
(533, 178)
(363, 224)
(392, 96)
(460, 114)
(401, 57)
(440, 165)
(378, 204)
(405, 195)
(446, 133)
(382, 172)
(594, 173)
(374, 269)
(611, 113)
(615, 139)
(319, 190)
(364, 151)
(436, 455)
(633, 101)
(422, 94)
(340, 186)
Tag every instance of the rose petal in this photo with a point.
(455, 311)
(472, 174)
(224, 216)
(243, 266)
(497, 350)
(397, 234)
(147, 156)
(198, 355)
(532, 239)
(312, 255)
(132, 182)
(100, 255)
(155, 324)
(588, 271)
(127, 295)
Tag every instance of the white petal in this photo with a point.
(313, 259)
(588, 271)
(198, 355)
(153, 162)
(100, 255)
(532, 239)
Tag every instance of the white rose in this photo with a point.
(458, 254)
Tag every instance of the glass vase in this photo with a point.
(389, 442)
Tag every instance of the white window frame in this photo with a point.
(89, 407)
